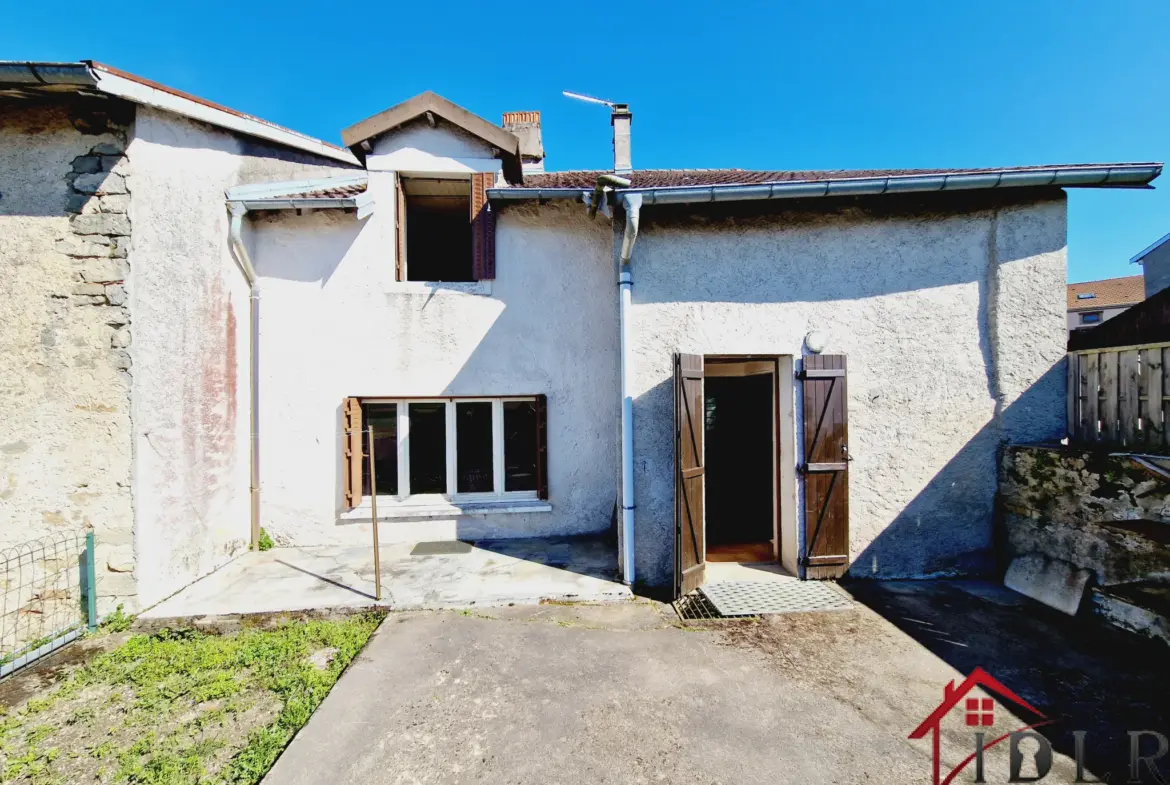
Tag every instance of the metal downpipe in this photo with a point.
(633, 208)
(235, 234)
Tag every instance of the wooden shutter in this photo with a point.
(483, 227)
(399, 230)
(826, 471)
(352, 451)
(542, 446)
(690, 541)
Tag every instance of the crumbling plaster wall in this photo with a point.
(953, 325)
(65, 432)
(335, 324)
(191, 344)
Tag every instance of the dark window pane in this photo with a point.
(519, 445)
(438, 239)
(383, 419)
(428, 448)
(473, 454)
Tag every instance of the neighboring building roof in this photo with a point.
(1150, 249)
(88, 77)
(318, 194)
(1145, 323)
(433, 105)
(1108, 293)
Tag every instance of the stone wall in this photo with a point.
(65, 444)
(1105, 513)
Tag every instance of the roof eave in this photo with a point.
(1150, 249)
(1124, 175)
(411, 109)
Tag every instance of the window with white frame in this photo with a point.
(455, 448)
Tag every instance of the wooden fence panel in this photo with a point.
(1129, 416)
(1120, 396)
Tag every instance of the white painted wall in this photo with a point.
(189, 303)
(953, 325)
(335, 324)
(417, 148)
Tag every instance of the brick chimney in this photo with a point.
(621, 119)
(526, 127)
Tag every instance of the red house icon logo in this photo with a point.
(978, 712)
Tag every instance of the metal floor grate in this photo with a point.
(696, 607)
(752, 598)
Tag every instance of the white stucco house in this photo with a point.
(211, 322)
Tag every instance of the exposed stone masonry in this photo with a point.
(99, 240)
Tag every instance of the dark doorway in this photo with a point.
(739, 460)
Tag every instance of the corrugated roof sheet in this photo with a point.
(673, 178)
(1108, 293)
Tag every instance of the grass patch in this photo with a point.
(180, 706)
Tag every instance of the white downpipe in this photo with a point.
(235, 234)
(633, 207)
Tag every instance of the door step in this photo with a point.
(1142, 607)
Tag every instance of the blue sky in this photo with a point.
(778, 85)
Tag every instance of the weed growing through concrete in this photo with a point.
(180, 707)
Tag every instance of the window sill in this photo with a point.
(398, 510)
(483, 288)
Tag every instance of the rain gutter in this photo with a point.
(1124, 175)
(1091, 176)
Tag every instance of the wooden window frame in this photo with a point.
(483, 228)
(452, 495)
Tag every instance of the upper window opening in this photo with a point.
(1092, 317)
(1087, 296)
(438, 230)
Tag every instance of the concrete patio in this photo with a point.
(486, 573)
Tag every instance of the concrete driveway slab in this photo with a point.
(626, 694)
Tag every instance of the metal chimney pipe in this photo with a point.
(621, 119)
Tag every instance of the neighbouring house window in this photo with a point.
(1091, 317)
(477, 448)
(445, 228)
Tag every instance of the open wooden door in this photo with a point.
(826, 468)
(690, 545)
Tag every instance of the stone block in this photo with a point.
(115, 203)
(120, 247)
(88, 247)
(122, 360)
(104, 271)
(89, 299)
(116, 294)
(87, 164)
(1055, 583)
(100, 223)
(120, 339)
(81, 203)
(117, 316)
(108, 148)
(100, 183)
(108, 162)
(90, 290)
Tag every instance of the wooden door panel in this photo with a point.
(690, 537)
(826, 467)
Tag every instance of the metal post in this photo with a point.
(90, 580)
(374, 520)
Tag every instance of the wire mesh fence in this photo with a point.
(45, 599)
